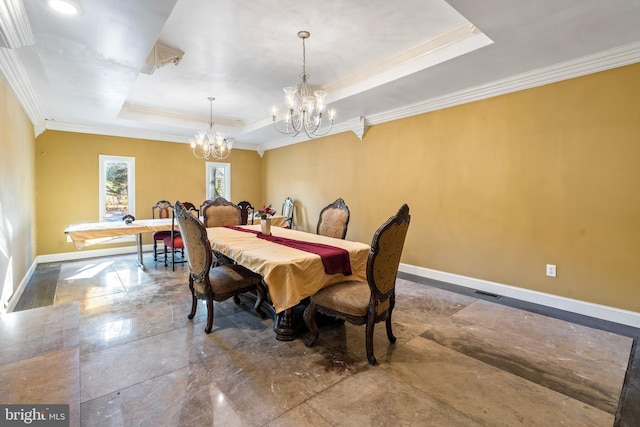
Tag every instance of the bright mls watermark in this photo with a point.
(34, 415)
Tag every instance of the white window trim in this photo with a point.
(131, 167)
(227, 179)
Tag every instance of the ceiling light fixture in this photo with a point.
(210, 143)
(66, 7)
(304, 109)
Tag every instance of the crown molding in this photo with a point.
(15, 30)
(16, 77)
(601, 61)
(111, 131)
(131, 133)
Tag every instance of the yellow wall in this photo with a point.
(498, 188)
(17, 203)
(67, 180)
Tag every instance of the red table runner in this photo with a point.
(335, 260)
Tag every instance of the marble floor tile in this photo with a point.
(183, 397)
(96, 278)
(376, 397)
(118, 367)
(580, 362)
(32, 332)
(485, 393)
(49, 378)
(124, 320)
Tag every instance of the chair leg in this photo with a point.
(369, 340)
(165, 255)
(392, 303)
(155, 250)
(209, 326)
(194, 299)
(173, 258)
(310, 320)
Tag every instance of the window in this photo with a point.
(117, 187)
(218, 180)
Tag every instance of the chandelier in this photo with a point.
(211, 143)
(304, 109)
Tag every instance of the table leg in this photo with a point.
(139, 245)
(288, 324)
(283, 326)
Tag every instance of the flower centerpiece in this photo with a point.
(266, 211)
(128, 219)
(265, 222)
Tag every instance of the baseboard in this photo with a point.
(15, 297)
(611, 314)
(71, 256)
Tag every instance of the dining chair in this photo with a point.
(334, 220)
(213, 283)
(246, 211)
(218, 213)
(287, 211)
(163, 208)
(370, 302)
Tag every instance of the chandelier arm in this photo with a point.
(292, 132)
(327, 130)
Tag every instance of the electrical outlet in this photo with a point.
(551, 270)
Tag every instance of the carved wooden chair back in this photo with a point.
(246, 212)
(220, 212)
(195, 241)
(334, 220)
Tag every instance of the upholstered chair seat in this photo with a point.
(159, 236)
(227, 279)
(350, 297)
(370, 302)
(173, 243)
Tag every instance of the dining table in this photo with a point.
(294, 264)
(92, 233)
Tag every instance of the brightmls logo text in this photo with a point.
(35, 415)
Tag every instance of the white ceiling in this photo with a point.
(379, 60)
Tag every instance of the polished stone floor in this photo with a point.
(117, 345)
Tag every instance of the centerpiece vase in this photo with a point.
(265, 226)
